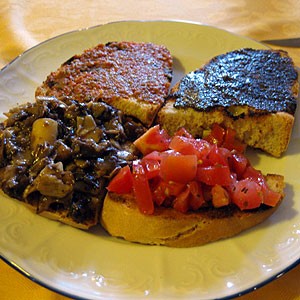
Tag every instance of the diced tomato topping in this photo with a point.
(186, 145)
(212, 175)
(216, 135)
(183, 145)
(220, 196)
(239, 163)
(122, 183)
(154, 155)
(196, 195)
(151, 167)
(158, 192)
(163, 189)
(178, 168)
(153, 139)
(183, 132)
(187, 173)
(173, 188)
(271, 198)
(247, 194)
(231, 142)
(141, 189)
(225, 138)
(216, 156)
(254, 174)
(181, 202)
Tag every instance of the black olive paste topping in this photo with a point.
(259, 79)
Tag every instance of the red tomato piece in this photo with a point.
(141, 189)
(122, 183)
(151, 167)
(203, 147)
(220, 196)
(154, 155)
(213, 175)
(231, 142)
(196, 195)
(158, 193)
(178, 168)
(182, 145)
(247, 194)
(173, 188)
(216, 156)
(216, 135)
(255, 175)
(189, 146)
(181, 202)
(183, 132)
(163, 190)
(153, 139)
(270, 197)
(238, 163)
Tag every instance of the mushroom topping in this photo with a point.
(87, 128)
(52, 181)
(59, 157)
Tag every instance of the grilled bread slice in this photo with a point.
(133, 77)
(252, 91)
(121, 217)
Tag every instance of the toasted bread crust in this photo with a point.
(121, 218)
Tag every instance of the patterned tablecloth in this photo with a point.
(24, 24)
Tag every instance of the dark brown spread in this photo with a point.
(262, 80)
(112, 71)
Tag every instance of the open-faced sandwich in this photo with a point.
(184, 184)
(188, 192)
(58, 157)
(133, 77)
(252, 91)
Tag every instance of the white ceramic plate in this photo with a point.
(95, 266)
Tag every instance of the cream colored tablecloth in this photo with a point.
(25, 23)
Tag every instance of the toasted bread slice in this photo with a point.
(133, 77)
(121, 218)
(252, 91)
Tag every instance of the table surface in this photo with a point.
(24, 24)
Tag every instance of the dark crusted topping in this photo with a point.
(262, 80)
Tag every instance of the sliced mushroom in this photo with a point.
(52, 181)
(63, 152)
(87, 128)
